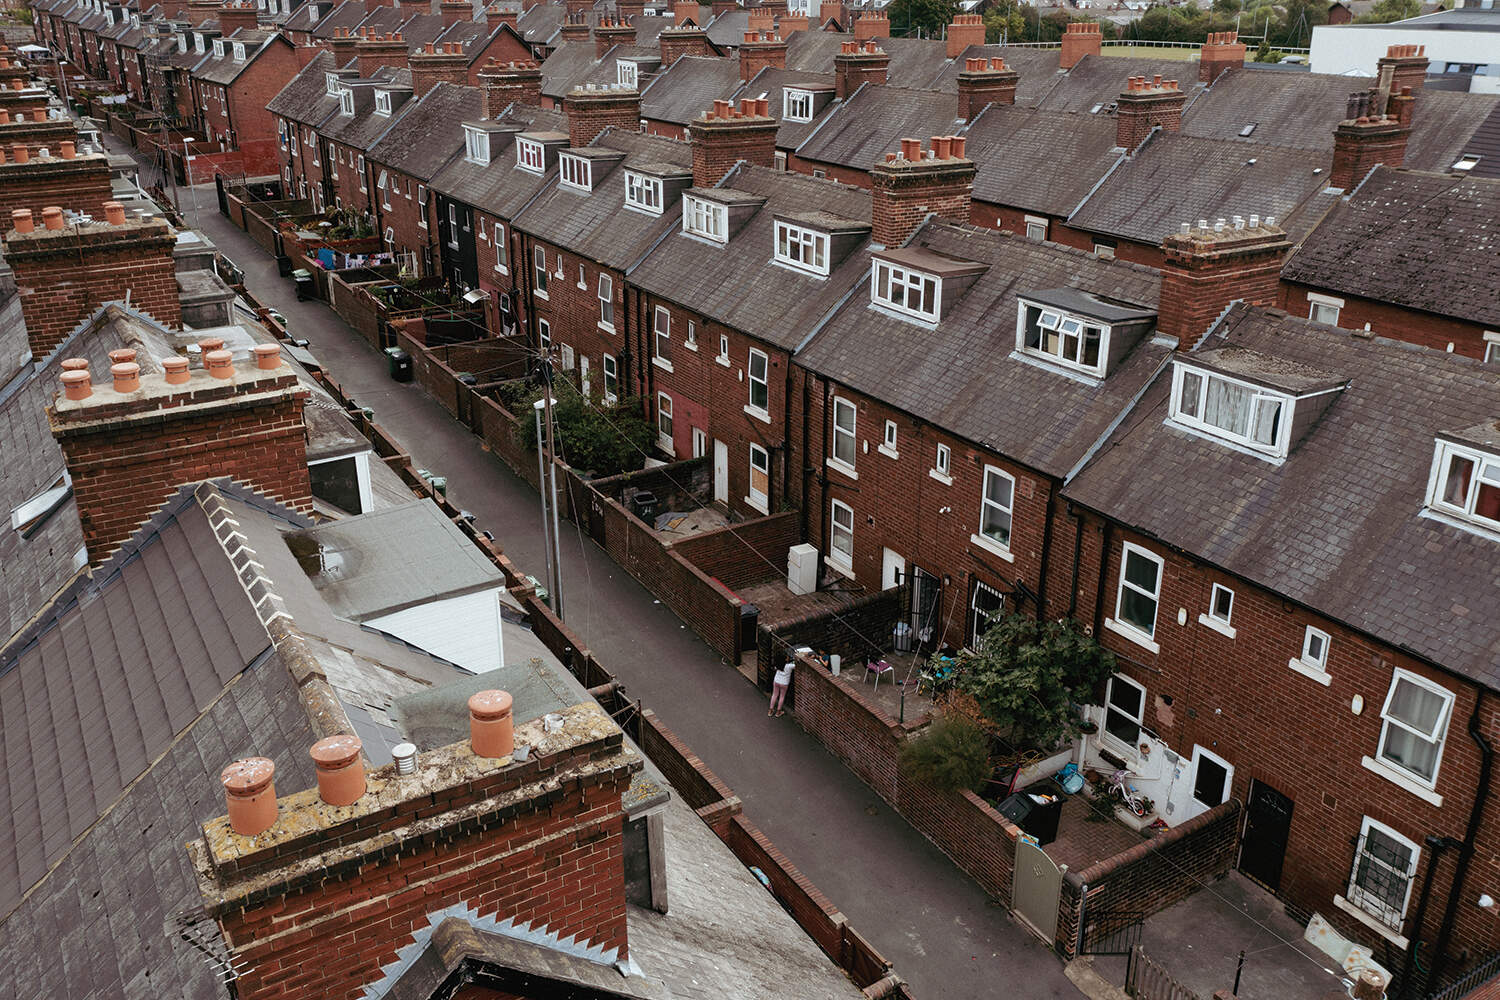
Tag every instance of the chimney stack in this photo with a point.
(575, 28)
(858, 63)
(788, 23)
(236, 15)
(1222, 51)
(1206, 267)
(592, 111)
(342, 45)
(341, 771)
(376, 50)
(718, 7)
(491, 730)
(982, 82)
(608, 33)
(629, 10)
(908, 186)
(435, 63)
(677, 42)
(760, 19)
(872, 24)
(1144, 105)
(494, 17)
(1369, 137)
(830, 10)
(966, 30)
(761, 50)
(726, 134)
(65, 272)
(129, 448)
(686, 12)
(81, 182)
(581, 7)
(454, 11)
(1081, 38)
(1408, 65)
(250, 794)
(510, 83)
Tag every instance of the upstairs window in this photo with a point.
(995, 506)
(575, 172)
(705, 218)
(904, 290)
(627, 73)
(1230, 409)
(346, 103)
(758, 372)
(606, 302)
(476, 146)
(796, 105)
(502, 252)
(1139, 590)
(218, 49)
(1467, 483)
(844, 447)
(662, 325)
(530, 155)
(539, 262)
(942, 464)
(803, 249)
(332, 85)
(382, 102)
(643, 192)
(1324, 308)
(1070, 341)
(1416, 716)
(239, 51)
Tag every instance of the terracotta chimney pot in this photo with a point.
(123, 356)
(220, 364)
(267, 357)
(341, 771)
(19, 153)
(250, 791)
(75, 364)
(114, 213)
(52, 217)
(176, 370)
(76, 384)
(20, 218)
(127, 376)
(491, 731)
(211, 344)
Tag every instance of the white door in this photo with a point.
(583, 373)
(1213, 778)
(721, 472)
(892, 569)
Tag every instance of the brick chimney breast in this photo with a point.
(1220, 52)
(608, 33)
(376, 50)
(1206, 267)
(761, 50)
(1144, 105)
(575, 28)
(908, 186)
(985, 81)
(726, 134)
(438, 62)
(856, 64)
(591, 111)
(1080, 38)
(510, 83)
(679, 41)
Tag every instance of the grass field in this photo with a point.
(1151, 52)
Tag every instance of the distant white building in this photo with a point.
(1466, 40)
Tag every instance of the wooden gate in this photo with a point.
(1035, 888)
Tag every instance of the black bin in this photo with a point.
(644, 506)
(400, 363)
(283, 265)
(307, 288)
(1039, 819)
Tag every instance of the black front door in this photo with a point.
(1267, 826)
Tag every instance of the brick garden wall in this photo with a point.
(871, 615)
(740, 555)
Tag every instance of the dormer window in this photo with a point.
(218, 49)
(383, 103)
(796, 105)
(476, 146)
(574, 172)
(332, 84)
(198, 44)
(239, 51)
(1466, 483)
(1231, 409)
(346, 103)
(802, 248)
(627, 73)
(905, 290)
(182, 43)
(705, 218)
(1062, 338)
(643, 192)
(312, 13)
(530, 155)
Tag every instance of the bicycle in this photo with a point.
(1134, 800)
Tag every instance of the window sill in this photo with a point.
(691, 345)
(665, 444)
(721, 359)
(1132, 633)
(501, 269)
(1217, 625)
(663, 364)
(763, 416)
(540, 293)
(1323, 677)
(842, 468)
(888, 452)
(757, 505)
(1369, 921)
(940, 477)
(1395, 777)
(992, 546)
(843, 569)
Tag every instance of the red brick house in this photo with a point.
(232, 87)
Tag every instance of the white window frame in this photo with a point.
(1357, 902)
(723, 356)
(476, 146)
(1066, 329)
(661, 337)
(942, 465)
(1036, 228)
(1200, 754)
(800, 248)
(1138, 719)
(1212, 619)
(606, 293)
(239, 51)
(838, 558)
(539, 267)
(888, 440)
(796, 105)
(627, 73)
(611, 369)
(218, 49)
(1491, 347)
(383, 103)
(926, 288)
(531, 156)
(1315, 667)
(1141, 637)
(575, 172)
(501, 248)
(1484, 471)
(452, 223)
(974, 612)
(664, 413)
(762, 410)
(1438, 737)
(759, 501)
(843, 438)
(1324, 308)
(1259, 396)
(643, 193)
(993, 507)
(543, 334)
(706, 219)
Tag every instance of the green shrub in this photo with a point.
(951, 754)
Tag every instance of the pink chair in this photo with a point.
(879, 668)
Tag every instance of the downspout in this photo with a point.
(1077, 520)
(1466, 853)
(807, 468)
(1103, 575)
(1437, 845)
(1041, 583)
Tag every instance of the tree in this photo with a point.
(951, 754)
(1004, 22)
(1027, 675)
(592, 435)
(930, 17)
(1386, 11)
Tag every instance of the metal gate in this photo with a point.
(1145, 980)
(1035, 888)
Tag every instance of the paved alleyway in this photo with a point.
(943, 933)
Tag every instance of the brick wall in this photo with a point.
(591, 112)
(847, 631)
(1144, 107)
(906, 192)
(79, 185)
(719, 142)
(1441, 333)
(1204, 270)
(414, 230)
(743, 554)
(574, 313)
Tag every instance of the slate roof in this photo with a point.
(728, 29)
(683, 91)
(737, 284)
(541, 22)
(772, 84)
(1100, 79)
(428, 135)
(346, 15)
(1173, 179)
(595, 225)
(1423, 241)
(1485, 144)
(1344, 509)
(872, 122)
(1039, 161)
(961, 375)
(1287, 109)
(500, 188)
(1036, 68)
(228, 69)
(606, 70)
(305, 98)
(1443, 125)
(363, 128)
(813, 51)
(567, 67)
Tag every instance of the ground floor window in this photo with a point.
(1124, 710)
(984, 604)
(1385, 863)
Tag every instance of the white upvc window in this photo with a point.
(346, 103)
(662, 331)
(843, 447)
(1071, 341)
(996, 506)
(218, 49)
(664, 422)
(1324, 308)
(452, 224)
(386, 185)
(888, 440)
(802, 248)
(705, 218)
(643, 192)
(1416, 714)
(758, 374)
(611, 378)
(627, 73)
(531, 156)
(1385, 865)
(544, 334)
(942, 463)
(1124, 711)
(539, 264)
(1466, 482)
(502, 249)
(1036, 228)
(691, 340)
(985, 604)
(239, 51)
(383, 103)
(796, 105)
(1491, 347)
(841, 536)
(1138, 594)
(476, 146)
(1230, 409)
(760, 479)
(913, 293)
(333, 164)
(607, 302)
(723, 357)
(575, 172)
(1220, 613)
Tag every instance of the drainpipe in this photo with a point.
(1466, 853)
(1103, 576)
(1041, 581)
(1077, 520)
(1436, 845)
(807, 468)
